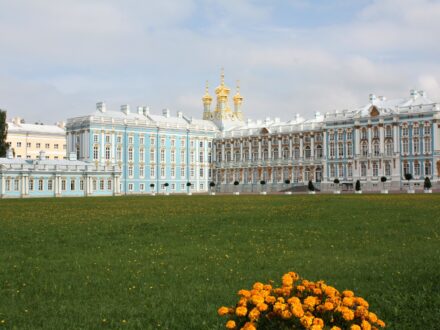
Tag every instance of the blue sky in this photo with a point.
(57, 59)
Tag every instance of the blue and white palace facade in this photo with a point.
(155, 153)
(163, 153)
(44, 177)
(383, 138)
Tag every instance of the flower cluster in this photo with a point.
(299, 304)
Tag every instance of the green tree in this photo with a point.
(4, 146)
(427, 184)
(358, 185)
(311, 187)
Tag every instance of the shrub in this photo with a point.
(236, 183)
(262, 182)
(151, 185)
(427, 184)
(358, 185)
(311, 186)
(408, 176)
(383, 179)
(166, 184)
(188, 184)
(212, 184)
(299, 304)
(287, 181)
(336, 181)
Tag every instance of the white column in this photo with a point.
(290, 147)
(301, 144)
(312, 147)
(259, 150)
(279, 148)
(241, 151)
(223, 152)
(357, 143)
(396, 139)
(381, 139)
(369, 140)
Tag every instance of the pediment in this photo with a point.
(374, 111)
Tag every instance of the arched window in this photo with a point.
(416, 145)
(406, 169)
(265, 154)
(416, 169)
(389, 148)
(376, 148)
(286, 153)
(340, 150)
(275, 153)
(318, 151)
(296, 153)
(307, 152)
(349, 149)
(428, 168)
(365, 149)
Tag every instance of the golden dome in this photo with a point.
(237, 97)
(222, 89)
(207, 98)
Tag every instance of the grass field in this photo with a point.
(170, 262)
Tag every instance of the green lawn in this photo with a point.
(168, 262)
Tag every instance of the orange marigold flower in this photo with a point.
(294, 300)
(242, 302)
(286, 314)
(372, 317)
(254, 314)
(231, 324)
(310, 301)
(365, 325)
(307, 321)
(317, 291)
(241, 311)
(256, 299)
(355, 327)
(267, 287)
(270, 299)
(300, 288)
(348, 293)
(287, 280)
(330, 291)
(316, 327)
(294, 276)
(361, 312)
(249, 326)
(222, 311)
(335, 328)
(297, 310)
(262, 307)
(328, 306)
(318, 321)
(361, 301)
(348, 315)
(244, 293)
(258, 286)
(348, 301)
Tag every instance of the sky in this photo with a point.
(59, 58)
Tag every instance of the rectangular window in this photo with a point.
(94, 185)
(201, 173)
(119, 139)
(162, 156)
(18, 144)
(72, 184)
(55, 146)
(152, 155)
(173, 172)
(16, 184)
(130, 140)
(162, 172)
(162, 142)
(101, 184)
(50, 185)
(28, 144)
(63, 185)
(152, 172)
(152, 141)
(130, 187)
(8, 185)
(38, 145)
(81, 185)
(141, 140)
(95, 138)
(130, 171)
(141, 171)
(141, 187)
(109, 184)
(47, 145)
(182, 172)
(107, 139)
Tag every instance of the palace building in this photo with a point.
(147, 152)
(383, 138)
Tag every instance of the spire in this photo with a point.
(222, 76)
(237, 97)
(207, 99)
(238, 100)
